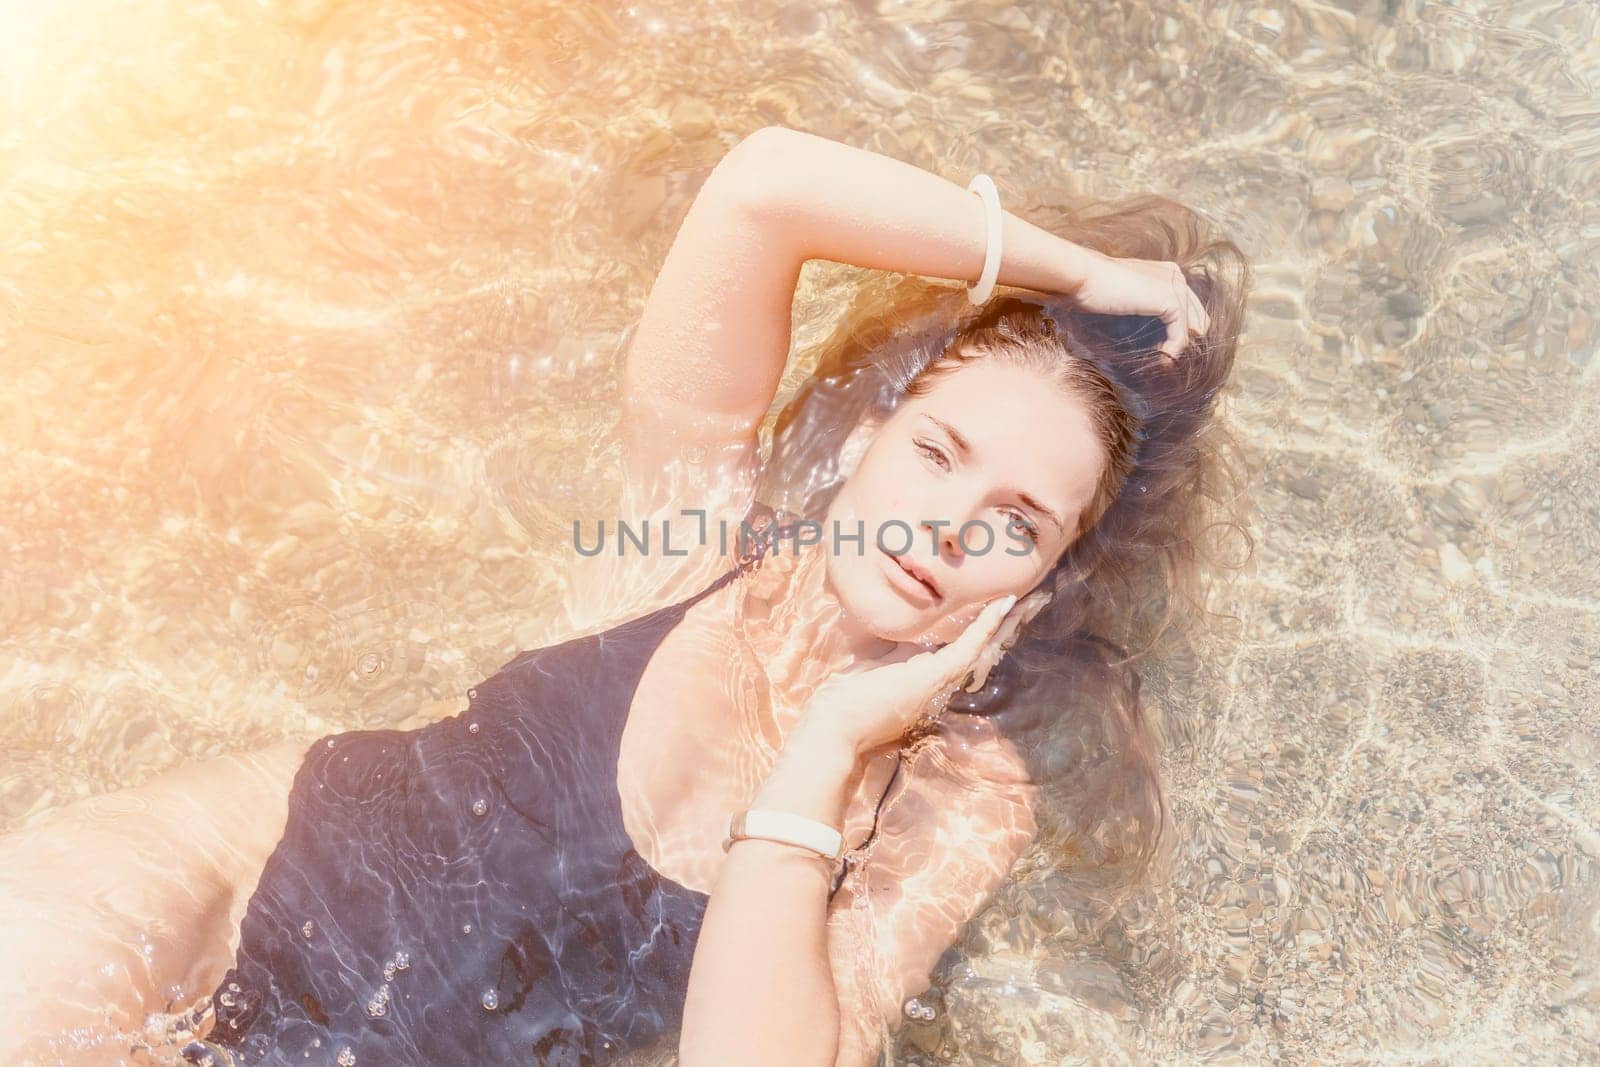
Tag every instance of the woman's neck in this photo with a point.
(797, 628)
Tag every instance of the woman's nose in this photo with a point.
(941, 520)
(945, 535)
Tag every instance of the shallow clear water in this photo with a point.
(312, 317)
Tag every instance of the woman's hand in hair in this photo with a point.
(874, 707)
(1112, 286)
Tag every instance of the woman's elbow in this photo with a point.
(754, 171)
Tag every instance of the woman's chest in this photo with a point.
(702, 733)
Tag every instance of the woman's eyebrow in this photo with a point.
(962, 444)
(1028, 499)
(964, 447)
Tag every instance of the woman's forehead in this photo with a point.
(999, 401)
(1018, 417)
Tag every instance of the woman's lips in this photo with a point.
(900, 576)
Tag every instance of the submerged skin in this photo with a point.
(128, 903)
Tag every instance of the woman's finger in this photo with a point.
(1199, 321)
(1006, 636)
(1177, 337)
(1178, 320)
(956, 657)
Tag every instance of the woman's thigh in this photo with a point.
(129, 902)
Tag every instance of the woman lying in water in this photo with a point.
(544, 877)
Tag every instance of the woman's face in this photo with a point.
(991, 444)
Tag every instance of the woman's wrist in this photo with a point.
(1075, 264)
(812, 774)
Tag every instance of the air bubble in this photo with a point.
(402, 960)
(378, 1006)
(490, 1000)
(307, 930)
(472, 729)
(466, 928)
(347, 1056)
(480, 807)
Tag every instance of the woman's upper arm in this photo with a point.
(710, 347)
(945, 846)
(701, 371)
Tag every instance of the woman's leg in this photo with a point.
(129, 903)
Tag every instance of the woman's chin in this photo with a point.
(931, 626)
(914, 632)
(883, 611)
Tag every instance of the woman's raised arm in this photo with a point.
(710, 347)
(713, 339)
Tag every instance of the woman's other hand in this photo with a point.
(870, 708)
(1112, 286)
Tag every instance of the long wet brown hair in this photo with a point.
(1169, 516)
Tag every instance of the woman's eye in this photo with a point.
(1018, 519)
(932, 453)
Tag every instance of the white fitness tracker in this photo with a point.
(784, 827)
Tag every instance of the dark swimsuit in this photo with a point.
(466, 892)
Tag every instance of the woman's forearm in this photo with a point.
(850, 205)
(761, 988)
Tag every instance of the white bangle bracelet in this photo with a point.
(983, 185)
(785, 827)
